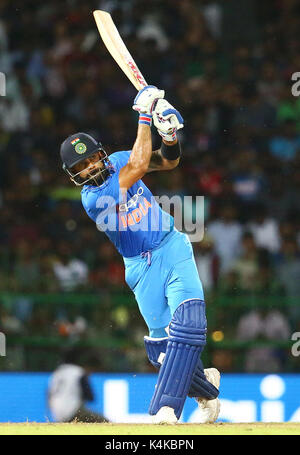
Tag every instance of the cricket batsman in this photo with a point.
(159, 262)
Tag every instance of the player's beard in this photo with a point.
(99, 178)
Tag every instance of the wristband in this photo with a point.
(170, 152)
(145, 119)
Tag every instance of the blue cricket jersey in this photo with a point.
(134, 222)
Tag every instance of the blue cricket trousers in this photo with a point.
(162, 279)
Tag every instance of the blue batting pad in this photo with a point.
(200, 386)
(187, 337)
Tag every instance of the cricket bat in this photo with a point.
(115, 45)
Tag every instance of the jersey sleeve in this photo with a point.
(120, 159)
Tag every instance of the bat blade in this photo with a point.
(116, 47)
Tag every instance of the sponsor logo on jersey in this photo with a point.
(132, 201)
(137, 214)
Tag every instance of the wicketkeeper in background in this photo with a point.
(69, 389)
(159, 262)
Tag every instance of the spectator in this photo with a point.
(71, 273)
(286, 145)
(226, 233)
(27, 271)
(207, 263)
(246, 267)
(108, 270)
(288, 273)
(264, 325)
(247, 177)
(265, 230)
(270, 84)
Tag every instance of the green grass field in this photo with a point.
(142, 429)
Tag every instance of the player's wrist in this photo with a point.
(145, 119)
(171, 151)
(168, 143)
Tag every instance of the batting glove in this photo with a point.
(167, 120)
(146, 98)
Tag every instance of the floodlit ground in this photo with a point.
(141, 429)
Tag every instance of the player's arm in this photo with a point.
(140, 156)
(159, 162)
(139, 160)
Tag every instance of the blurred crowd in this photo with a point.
(227, 67)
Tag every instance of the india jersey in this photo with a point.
(134, 222)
